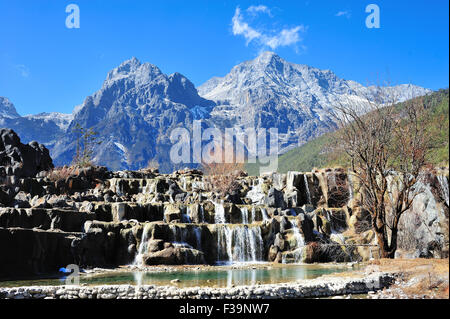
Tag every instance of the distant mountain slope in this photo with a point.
(272, 92)
(43, 127)
(138, 106)
(319, 153)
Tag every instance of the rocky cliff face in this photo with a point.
(134, 113)
(19, 160)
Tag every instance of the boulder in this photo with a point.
(306, 226)
(275, 198)
(22, 160)
(174, 256)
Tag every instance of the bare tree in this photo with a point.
(387, 144)
(220, 176)
(86, 140)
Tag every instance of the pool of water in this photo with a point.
(210, 277)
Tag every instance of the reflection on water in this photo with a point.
(218, 277)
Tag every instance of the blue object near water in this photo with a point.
(64, 270)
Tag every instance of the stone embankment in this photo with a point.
(319, 287)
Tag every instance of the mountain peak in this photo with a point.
(133, 68)
(133, 62)
(267, 57)
(267, 54)
(7, 109)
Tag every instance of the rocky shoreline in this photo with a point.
(313, 288)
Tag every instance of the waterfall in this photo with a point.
(224, 249)
(299, 244)
(308, 194)
(239, 244)
(264, 214)
(138, 261)
(198, 237)
(219, 213)
(256, 194)
(253, 214)
(443, 183)
(147, 189)
(185, 217)
(180, 235)
(244, 214)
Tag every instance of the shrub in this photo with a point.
(222, 177)
(62, 173)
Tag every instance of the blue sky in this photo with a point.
(46, 67)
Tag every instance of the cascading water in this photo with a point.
(256, 194)
(198, 237)
(264, 214)
(299, 245)
(138, 259)
(247, 244)
(253, 214)
(244, 214)
(224, 248)
(308, 194)
(185, 217)
(239, 244)
(219, 213)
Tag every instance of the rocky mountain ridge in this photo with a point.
(138, 106)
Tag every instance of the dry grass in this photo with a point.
(62, 173)
(222, 177)
(428, 278)
(420, 277)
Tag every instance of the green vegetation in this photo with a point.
(320, 152)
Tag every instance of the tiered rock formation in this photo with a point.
(97, 218)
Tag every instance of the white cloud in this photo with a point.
(240, 27)
(286, 37)
(273, 38)
(257, 9)
(346, 14)
(23, 70)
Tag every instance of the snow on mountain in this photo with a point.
(271, 92)
(134, 112)
(138, 106)
(7, 109)
(62, 120)
(43, 127)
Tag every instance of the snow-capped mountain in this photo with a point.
(297, 99)
(7, 109)
(134, 113)
(62, 120)
(43, 127)
(138, 106)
